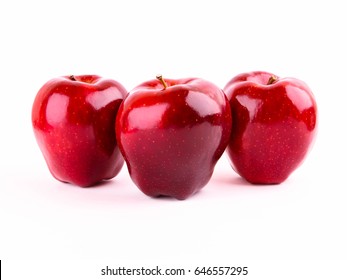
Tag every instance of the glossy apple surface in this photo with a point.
(73, 119)
(171, 134)
(274, 124)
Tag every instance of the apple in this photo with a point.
(171, 134)
(274, 125)
(73, 119)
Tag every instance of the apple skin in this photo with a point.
(73, 119)
(274, 125)
(171, 138)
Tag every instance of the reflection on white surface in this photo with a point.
(50, 230)
(202, 104)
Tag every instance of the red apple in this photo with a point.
(171, 134)
(73, 119)
(274, 124)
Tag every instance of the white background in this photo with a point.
(295, 230)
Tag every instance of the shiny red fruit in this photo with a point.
(171, 134)
(274, 124)
(73, 119)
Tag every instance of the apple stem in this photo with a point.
(271, 80)
(72, 78)
(160, 78)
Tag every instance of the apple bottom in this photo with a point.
(175, 162)
(269, 154)
(80, 164)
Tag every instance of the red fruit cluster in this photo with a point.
(171, 133)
